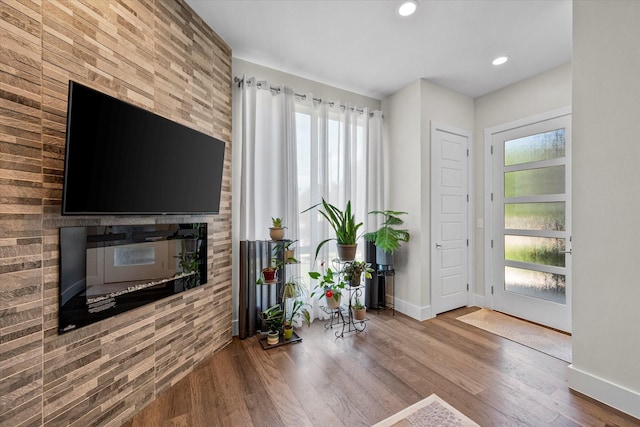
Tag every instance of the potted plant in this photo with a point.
(345, 227)
(294, 295)
(330, 287)
(268, 274)
(296, 310)
(358, 310)
(353, 272)
(287, 330)
(289, 253)
(294, 288)
(273, 318)
(387, 238)
(276, 231)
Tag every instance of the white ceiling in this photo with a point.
(363, 45)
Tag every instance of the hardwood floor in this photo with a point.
(363, 378)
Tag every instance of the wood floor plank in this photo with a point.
(363, 378)
(279, 389)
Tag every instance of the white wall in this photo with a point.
(545, 92)
(408, 115)
(606, 203)
(402, 142)
(301, 86)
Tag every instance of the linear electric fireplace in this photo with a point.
(106, 270)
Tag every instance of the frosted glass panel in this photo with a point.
(532, 182)
(536, 250)
(537, 284)
(535, 216)
(533, 148)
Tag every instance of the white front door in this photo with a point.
(449, 217)
(531, 219)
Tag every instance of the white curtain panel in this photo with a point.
(345, 164)
(269, 185)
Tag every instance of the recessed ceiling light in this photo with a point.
(407, 8)
(500, 60)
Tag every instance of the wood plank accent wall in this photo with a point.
(157, 54)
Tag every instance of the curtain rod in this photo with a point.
(240, 81)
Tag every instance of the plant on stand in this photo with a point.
(276, 231)
(330, 286)
(296, 310)
(359, 310)
(268, 274)
(273, 318)
(289, 253)
(387, 238)
(345, 227)
(353, 272)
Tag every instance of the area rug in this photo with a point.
(538, 337)
(429, 412)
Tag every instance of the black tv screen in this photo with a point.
(122, 159)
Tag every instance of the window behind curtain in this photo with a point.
(341, 161)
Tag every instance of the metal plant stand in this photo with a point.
(341, 317)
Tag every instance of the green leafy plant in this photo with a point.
(330, 285)
(343, 223)
(275, 265)
(273, 317)
(295, 290)
(285, 250)
(354, 270)
(298, 309)
(387, 237)
(358, 305)
(276, 222)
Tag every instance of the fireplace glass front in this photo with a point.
(106, 270)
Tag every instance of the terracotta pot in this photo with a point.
(276, 233)
(347, 252)
(359, 313)
(269, 274)
(288, 254)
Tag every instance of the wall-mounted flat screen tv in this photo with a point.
(121, 159)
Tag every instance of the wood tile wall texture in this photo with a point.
(157, 54)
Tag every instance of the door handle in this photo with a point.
(438, 245)
(565, 252)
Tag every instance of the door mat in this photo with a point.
(537, 337)
(429, 412)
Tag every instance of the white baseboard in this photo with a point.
(611, 394)
(414, 311)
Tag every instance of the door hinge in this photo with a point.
(467, 242)
(467, 198)
(467, 287)
(492, 150)
(491, 243)
(492, 197)
(467, 152)
(491, 289)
